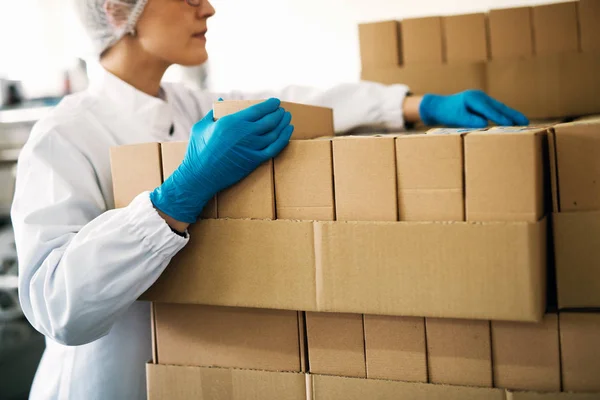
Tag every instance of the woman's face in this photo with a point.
(174, 31)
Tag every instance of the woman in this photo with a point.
(83, 265)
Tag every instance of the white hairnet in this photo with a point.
(105, 30)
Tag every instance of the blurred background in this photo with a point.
(258, 44)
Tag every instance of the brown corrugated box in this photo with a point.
(380, 44)
(252, 197)
(173, 154)
(309, 121)
(336, 344)
(304, 181)
(534, 86)
(135, 169)
(430, 177)
(422, 40)
(208, 336)
(504, 175)
(167, 382)
(465, 38)
(589, 28)
(526, 355)
(338, 388)
(555, 28)
(431, 78)
(511, 33)
(459, 352)
(580, 352)
(575, 173)
(365, 179)
(395, 348)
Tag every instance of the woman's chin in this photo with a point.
(194, 59)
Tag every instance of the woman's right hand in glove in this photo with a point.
(220, 154)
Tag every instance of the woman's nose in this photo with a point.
(205, 10)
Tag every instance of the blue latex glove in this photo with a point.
(221, 153)
(468, 109)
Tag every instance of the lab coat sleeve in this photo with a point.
(354, 104)
(80, 266)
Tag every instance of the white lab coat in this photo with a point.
(82, 265)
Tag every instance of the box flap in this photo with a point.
(334, 388)
(551, 396)
(577, 251)
(166, 382)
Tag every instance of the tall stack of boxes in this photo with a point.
(542, 60)
(383, 266)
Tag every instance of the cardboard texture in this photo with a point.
(430, 177)
(580, 353)
(431, 78)
(465, 38)
(504, 175)
(422, 41)
(337, 388)
(336, 344)
(135, 169)
(459, 352)
(526, 355)
(365, 179)
(380, 44)
(325, 269)
(555, 28)
(304, 181)
(252, 197)
(551, 396)
(395, 348)
(309, 121)
(589, 15)
(547, 86)
(208, 336)
(576, 254)
(167, 382)
(511, 33)
(578, 166)
(173, 154)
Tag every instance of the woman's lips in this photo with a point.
(200, 35)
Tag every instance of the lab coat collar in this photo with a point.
(152, 112)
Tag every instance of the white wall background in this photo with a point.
(253, 44)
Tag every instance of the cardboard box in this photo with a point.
(504, 175)
(365, 179)
(422, 41)
(550, 396)
(431, 78)
(168, 382)
(380, 44)
(395, 348)
(578, 166)
(430, 177)
(252, 197)
(208, 336)
(580, 353)
(135, 169)
(337, 388)
(336, 344)
(510, 264)
(526, 355)
(309, 121)
(576, 253)
(465, 38)
(304, 181)
(459, 352)
(534, 87)
(555, 28)
(173, 154)
(589, 15)
(511, 33)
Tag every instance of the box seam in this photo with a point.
(364, 337)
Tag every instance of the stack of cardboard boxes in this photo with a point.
(542, 60)
(381, 267)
